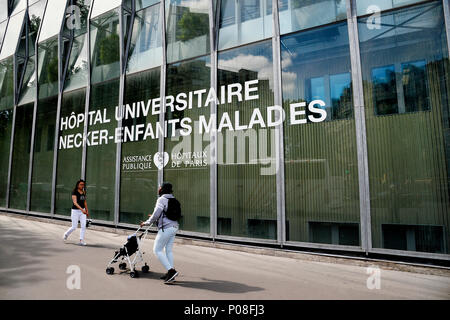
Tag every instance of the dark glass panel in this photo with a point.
(405, 76)
(21, 157)
(68, 170)
(139, 175)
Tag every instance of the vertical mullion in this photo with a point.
(213, 23)
(279, 136)
(11, 146)
(88, 91)
(360, 126)
(33, 132)
(58, 115)
(35, 106)
(162, 87)
(13, 129)
(30, 163)
(446, 6)
(119, 122)
(123, 57)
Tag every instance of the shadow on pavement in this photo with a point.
(22, 256)
(221, 286)
(102, 246)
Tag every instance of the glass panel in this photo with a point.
(18, 6)
(187, 24)
(21, 157)
(243, 21)
(6, 115)
(77, 16)
(48, 68)
(54, 15)
(68, 170)
(35, 13)
(3, 10)
(369, 6)
(2, 31)
(101, 7)
(146, 47)
(385, 86)
(415, 88)
(105, 51)
(6, 84)
(303, 14)
(101, 158)
(28, 90)
(188, 154)
(246, 170)
(77, 71)
(139, 175)
(406, 89)
(321, 166)
(12, 35)
(141, 4)
(21, 51)
(44, 140)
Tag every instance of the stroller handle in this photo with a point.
(141, 227)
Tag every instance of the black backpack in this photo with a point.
(173, 209)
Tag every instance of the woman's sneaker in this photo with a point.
(171, 276)
(82, 243)
(64, 237)
(164, 277)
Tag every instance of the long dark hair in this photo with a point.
(76, 186)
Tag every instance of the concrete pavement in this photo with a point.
(34, 264)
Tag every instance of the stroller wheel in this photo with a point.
(145, 269)
(110, 270)
(122, 266)
(133, 274)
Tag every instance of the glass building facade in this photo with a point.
(311, 124)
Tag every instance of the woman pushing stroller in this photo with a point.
(166, 213)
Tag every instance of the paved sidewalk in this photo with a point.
(34, 262)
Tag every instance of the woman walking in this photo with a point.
(79, 211)
(166, 206)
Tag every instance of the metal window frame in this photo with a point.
(88, 90)
(279, 130)
(33, 127)
(446, 6)
(360, 127)
(11, 146)
(214, 40)
(162, 86)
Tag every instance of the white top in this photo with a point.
(160, 207)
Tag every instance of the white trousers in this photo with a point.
(164, 242)
(77, 215)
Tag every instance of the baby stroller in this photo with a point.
(133, 246)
